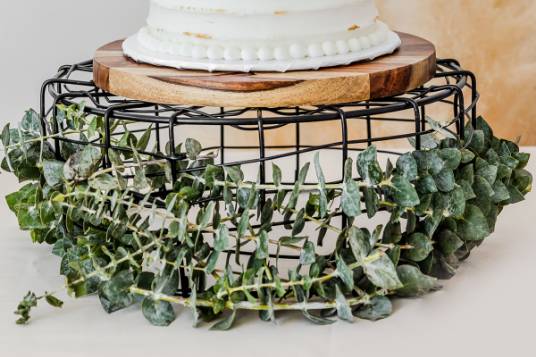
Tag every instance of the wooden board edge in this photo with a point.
(315, 92)
(101, 75)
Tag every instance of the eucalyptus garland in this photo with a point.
(119, 237)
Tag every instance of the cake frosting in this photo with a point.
(260, 35)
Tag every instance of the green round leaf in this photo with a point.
(449, 242)
(452, 158)
(404, 193)
(158, 313)
(379, 308)
(414, 282)
(114, 294)
(392, 233)
(445, 180)
(422, 247)
(407, 167)
(473, 226)
(381, 272)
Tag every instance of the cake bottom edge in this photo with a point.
(135, 50)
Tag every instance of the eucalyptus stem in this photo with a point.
(115, 169)
(271, 187)
(296, 306)
(301, 282)
(40, 139)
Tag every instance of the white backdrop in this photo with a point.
(37, 36)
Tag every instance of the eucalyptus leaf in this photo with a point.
(467, 155)
(308, 255)
(478, 141)
(351, 195)
(516, 196)
(193, 305)
(452, 157)
(193, 148)
(144, 140)
(392, 233)
(267, 215)
(345, 273)
(523, 181)
(428, 141)
(473, 226)
(381, 272)
(31, 122)
(404, 192)
(226, 323)
(321, 186)
(293, 200)
(222, 241)
(407, 167)
(343, 309)
(115, 294)
(104, 182)
(371, 201)
(262, 249)
(358, 243)
(380, 307)
(368, 166)
(235, 173)
(456, 202)
(243, 225)
(53, 172)
(449, 242)
(445, 180)
(421, 247)
(53, 301)
(212, 261)
(277, 175)
(6, 135)
(141, 182)
(395, 254)
(426, 185)
(317, 320)
(82, 164)
(157, 312)
(299, 223)
(414, 282)
(488, 172)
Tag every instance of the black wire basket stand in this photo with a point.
(453, 91)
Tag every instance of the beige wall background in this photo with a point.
(496, 39)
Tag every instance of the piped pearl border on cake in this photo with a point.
(295, 56)
(186, 46)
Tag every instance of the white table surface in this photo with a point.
(487, 309)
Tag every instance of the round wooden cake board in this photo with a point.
(408, 68)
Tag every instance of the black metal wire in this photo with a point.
(453, 88)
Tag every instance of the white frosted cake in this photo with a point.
(260, 35)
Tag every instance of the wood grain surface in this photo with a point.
(411, 66)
